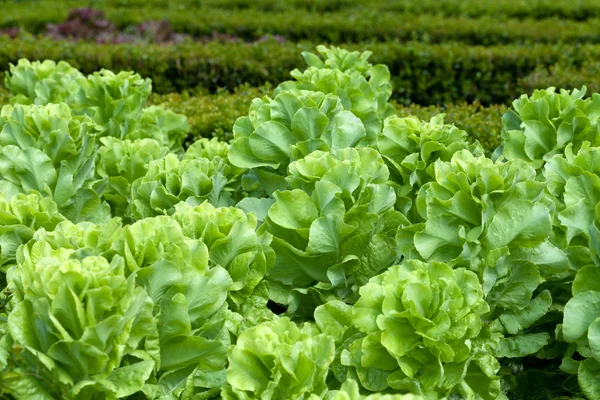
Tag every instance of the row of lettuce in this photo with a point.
(421, 73)
(536, 9)
(362, 24)
(213, 115)
(332, 250)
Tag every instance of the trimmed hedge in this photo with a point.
(421, 73)
(344, 26)
(213, 115)
(4, 96)
(564, 77)
(536, 9)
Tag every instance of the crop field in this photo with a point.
(300, 199)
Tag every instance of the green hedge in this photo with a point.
(564, 77)
(347, 26)
(213, 115)
(422, 74)
(536, 9)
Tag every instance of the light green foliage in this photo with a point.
(42, 82)
(543, 124)
(581, 326)
(411, 147)
(574, 182)
(278, 359)
(169, 181)
(292, 125)
(332, 251)
(362, 87)
(116, 102)
(232, 242)
(334, 230)
(350, 391)
(330, 106)
(421, 326)
(48, 150)
(476, 210)
(20, 217)
(161, 124)
(187, 335)
(495, 219)
(80, 340)
(212, 149)
(119, 164)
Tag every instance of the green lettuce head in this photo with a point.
(581, 329)
(495, 219)
(20, 217)
(119, 163)
(335, 231)
(423, 333)
(279, 360)
(574, 183)
(188, 339)
(42, 82)
(170, 181)
(207, 148)
(82, 326)
(411, 147)
(232, 242)
(114, 101)
(168, 128)
(292, 125)
(478, 212)
(47, 149)
(362, 87)
(543, 124)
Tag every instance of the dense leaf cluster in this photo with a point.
(332, 251)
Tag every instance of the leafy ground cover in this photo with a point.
(335, 248)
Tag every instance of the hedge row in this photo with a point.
(347, 26)
(537, 9)
(565, 76)
(422, 74)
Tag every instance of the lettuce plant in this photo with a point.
(160, 124)
(543, 124)
(292, 125)
(42, 82)
(48, 150)
(581, 328)
(478, 212)
(574, 183)
(20, 217)
(335, 230)
(362, 87)
(118, 164)
(411, 147)
(278, 359)
(188, 337)
(213, 148)
(232, 242)
(422, 326)
(116, 102)
(79, 341)
(170, 181)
